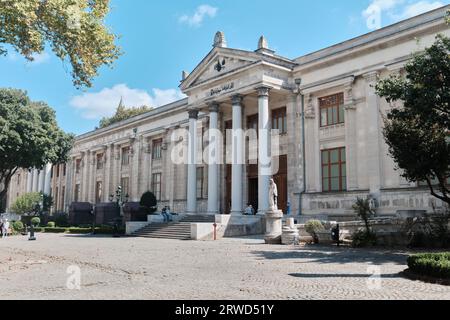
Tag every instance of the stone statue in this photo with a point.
(273, 196)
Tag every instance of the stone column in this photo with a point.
(48, 178)
(192, 163)
(264, 152)
(351, 139)
(41, 180)
(134, 170)
(373, 134)
(213, 159)
(29, 181)
(106, 176)
(237, 206)
(35, 180)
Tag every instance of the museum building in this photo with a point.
(317, 117)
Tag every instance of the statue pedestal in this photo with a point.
(274, 223)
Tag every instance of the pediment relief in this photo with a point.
(219, 66)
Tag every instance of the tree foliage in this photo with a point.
(26, 203)
(417, 133)
(74, 29)
(29, 137)
(123, 113)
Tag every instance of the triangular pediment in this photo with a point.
(219, 63)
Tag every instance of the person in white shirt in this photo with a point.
(5, 228)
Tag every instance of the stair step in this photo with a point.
(174, 230)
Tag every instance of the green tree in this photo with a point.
(123, 113)
(417, 132)
(29, 137)
(74, 29)
(26, 203)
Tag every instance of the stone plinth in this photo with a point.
(274, 221)
(290, 233)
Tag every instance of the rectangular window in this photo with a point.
(57, 170)
(334, 170)
(98, 192)
(18, 179)
(331, 110)
(156, 185)
(64, 169)
(279, 120)
(76, 196)
(99, 161)
(125, 184)
(125, 156)
(156, 149)
(77, 166)
(200, 180)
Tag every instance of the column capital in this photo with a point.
(214, 106)
(193, 114)
(263, 91)
(237, 99)
(371, 76)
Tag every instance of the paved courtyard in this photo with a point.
(136, 268)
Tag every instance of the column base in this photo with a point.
(274, 221)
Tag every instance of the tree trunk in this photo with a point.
(3, 200)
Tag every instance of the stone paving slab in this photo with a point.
(136, 268)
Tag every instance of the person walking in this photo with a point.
(5, 228)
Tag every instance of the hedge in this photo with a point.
(435, 265)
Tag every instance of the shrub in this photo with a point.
(17, 226)
(35, 221)
(148, 202)
(62, 219)
(79, 230)
(26, 203)
(54, 230)
(428, 231)
(364, 211)
(51, 224)
(435, 265)
(312, 227)
(364, 238)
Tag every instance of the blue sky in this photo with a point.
(162, 38)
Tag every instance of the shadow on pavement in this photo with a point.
(336, 255)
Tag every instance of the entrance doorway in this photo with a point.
(281, 181)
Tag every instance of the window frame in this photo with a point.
(324, 106)
(277, 114)
(128, 151)
(157, 149)
(200, 179)
(329, 164)
(157, 185)
(99, 161)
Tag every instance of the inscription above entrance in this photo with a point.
(226, 87)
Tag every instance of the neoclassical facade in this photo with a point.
(313, 123)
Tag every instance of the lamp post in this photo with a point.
(121, 200)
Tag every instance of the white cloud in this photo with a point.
(396, 10)
(417, 8)
(38, 58)
(200, 14)
(104, 103)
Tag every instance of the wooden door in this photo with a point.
(281, 181)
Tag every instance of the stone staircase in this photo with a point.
(174, 230)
